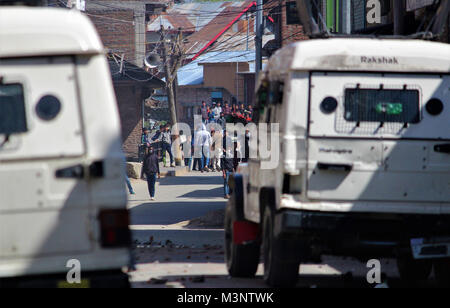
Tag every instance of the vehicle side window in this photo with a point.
(12, 109)
(261, 103)
(276, 93)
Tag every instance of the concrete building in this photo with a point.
(214, 77)
(132, 86)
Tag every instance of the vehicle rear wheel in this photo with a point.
(242, 259)
(414, 270)
(442, 271)
(281, 267)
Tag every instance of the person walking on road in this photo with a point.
(166, 144)
(151, 170)
(130, 188)
(228, 168)
(197, 142)
(216, 149)
(205, 138)
(127, 179)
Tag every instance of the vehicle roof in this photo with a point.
(26, 31)
(361, 54)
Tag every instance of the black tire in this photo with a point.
(414, 270)
(442, 272)
(281, 267)
(242, 260)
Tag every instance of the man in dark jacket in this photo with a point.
(166, 143)
(151, 170)
(228, 163)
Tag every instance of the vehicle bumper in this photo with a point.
(359, 234)
(295, 203)
(95, 279)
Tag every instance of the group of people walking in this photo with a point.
(155, 146)
(211, 150)
(217, 151)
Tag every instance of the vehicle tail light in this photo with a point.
(114, 229)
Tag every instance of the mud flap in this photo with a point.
(235, 182)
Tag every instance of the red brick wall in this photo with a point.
(130, 110)
(290, 33)
(116, 30)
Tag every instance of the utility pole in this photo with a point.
(167, 72)
(259, 35)
(442, 23)
(248, 28)
(172, 61)
(399, 17)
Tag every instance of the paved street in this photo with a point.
(179, 241)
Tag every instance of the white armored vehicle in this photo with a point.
(364, 166)
(62, 194)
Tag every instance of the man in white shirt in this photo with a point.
(203, 142)
(219, 107)
(216, 149)
(216, 112)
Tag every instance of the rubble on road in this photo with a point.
(213, 219)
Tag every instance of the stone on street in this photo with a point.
(172, 249)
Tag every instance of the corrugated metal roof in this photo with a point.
(196, 14)
(200, 39)
(233, 42)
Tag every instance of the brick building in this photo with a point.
(121, 26)
(117, 36)
(281, 19)
(133, 86)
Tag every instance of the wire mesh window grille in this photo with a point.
(378, 109)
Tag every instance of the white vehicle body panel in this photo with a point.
(395, 169)
(389, 163)
(46, 32)
(44, 220)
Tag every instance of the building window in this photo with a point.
(217, 97)
(292, 13)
